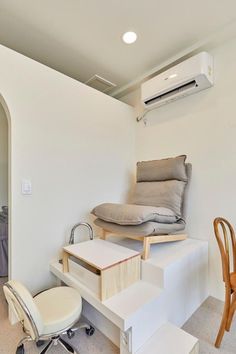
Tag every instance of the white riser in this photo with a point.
(184, 278)
(109, 329)
(147, 321)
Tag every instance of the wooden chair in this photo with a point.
(224, 235)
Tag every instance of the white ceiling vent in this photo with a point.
(99, 83)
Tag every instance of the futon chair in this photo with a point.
(156, 212)
(46, 316)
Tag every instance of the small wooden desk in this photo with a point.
(118, 266)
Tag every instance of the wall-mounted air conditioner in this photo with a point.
(188, 77)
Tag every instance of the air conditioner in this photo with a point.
(188, 77)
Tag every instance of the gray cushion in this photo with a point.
(167, 194)
(145, 229)
(128, 214)
(185, 197)
(162, 170)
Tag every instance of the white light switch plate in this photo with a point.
(26, 187)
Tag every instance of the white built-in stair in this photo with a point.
(145, 317)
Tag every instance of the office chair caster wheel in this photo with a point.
(90, 331)
(20, 349)
(70, 334)
(39, 343)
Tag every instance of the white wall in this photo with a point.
(203, 126)
(3, 157)
(74, 143)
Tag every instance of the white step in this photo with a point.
(122, 309)
(181, 270)
(169, 339)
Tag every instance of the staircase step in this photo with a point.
(181, 270)
(169, 339)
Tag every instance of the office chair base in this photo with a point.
(90, 331)
(39, 343)
(58, 340)
(67, 346)
(20, 348)
(53, 341)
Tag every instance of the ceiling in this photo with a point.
(81, 38)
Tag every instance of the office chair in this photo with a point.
(47, 316)
(225, 236)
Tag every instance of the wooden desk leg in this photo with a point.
(65, 263)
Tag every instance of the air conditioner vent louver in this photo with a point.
(171, 93)
(188, 77)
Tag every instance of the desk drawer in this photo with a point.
(85, 276)
(103, 267)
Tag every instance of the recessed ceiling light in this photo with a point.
(129, 37)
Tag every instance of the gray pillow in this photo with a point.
(167, 194)
(128, 214)
(162, 170)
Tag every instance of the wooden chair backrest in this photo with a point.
(224, 233)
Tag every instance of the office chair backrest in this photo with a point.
(225, 237)
(24, 308)
(163, 183)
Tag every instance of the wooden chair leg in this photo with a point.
(231, 312)
(146, 248)
(224, 318)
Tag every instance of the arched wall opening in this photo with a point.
(5, 191)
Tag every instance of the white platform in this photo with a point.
(170, 339)
(174, 284)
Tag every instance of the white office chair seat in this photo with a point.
(59, 308)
